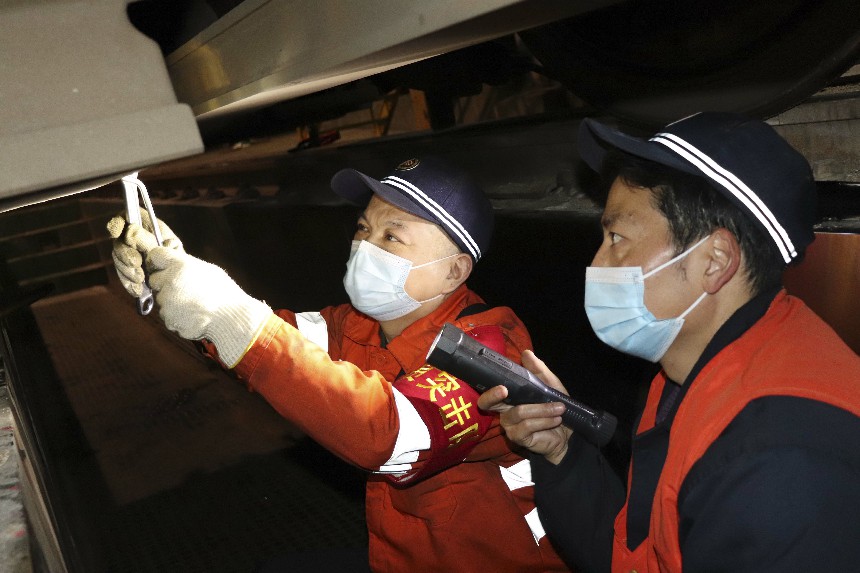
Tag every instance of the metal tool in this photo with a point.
(134, 186)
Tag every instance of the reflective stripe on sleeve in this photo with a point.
(411, 439)
(313, 327)
(535, 525)
(517, 476)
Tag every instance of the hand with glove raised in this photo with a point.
(127, 259)
(196, 299)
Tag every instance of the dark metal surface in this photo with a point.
(648, 63)
(265, 51)
(528, 164)
(149, 459)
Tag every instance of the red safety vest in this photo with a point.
(789, 352)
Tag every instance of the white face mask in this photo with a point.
(375, 281)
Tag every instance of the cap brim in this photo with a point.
(595, 139)
(357, 188)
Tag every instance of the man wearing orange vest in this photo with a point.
(746, 457)
(445, 492)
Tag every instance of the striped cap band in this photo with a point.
(453, 226)
(733, 185)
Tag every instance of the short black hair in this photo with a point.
(695, 209)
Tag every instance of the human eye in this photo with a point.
(611, 238)
(361, 229)
(391, 238)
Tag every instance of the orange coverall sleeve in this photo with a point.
(349, 411)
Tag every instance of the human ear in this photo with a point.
(724, 259)
(459, 270)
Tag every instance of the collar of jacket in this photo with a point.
(418, 336)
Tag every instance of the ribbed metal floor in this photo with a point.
(199, 474)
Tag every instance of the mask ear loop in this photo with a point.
(436, 261)
(675, 260)
(694, 305)
(433, 263)
(701, 296)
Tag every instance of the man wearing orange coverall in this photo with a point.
(446, 493)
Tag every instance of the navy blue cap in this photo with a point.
(743, 158)
(433, 189)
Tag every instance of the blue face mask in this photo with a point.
(615, 306)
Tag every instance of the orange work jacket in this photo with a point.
(468, 517)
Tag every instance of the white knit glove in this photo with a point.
(198, 300)
(127, 259)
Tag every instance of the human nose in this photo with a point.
(375, 239)
(371, 239)
(599, 259)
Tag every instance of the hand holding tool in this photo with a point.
(133, 186)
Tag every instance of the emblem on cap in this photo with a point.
(408, 164)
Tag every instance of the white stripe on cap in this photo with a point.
(453, 224)
(733, 185)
